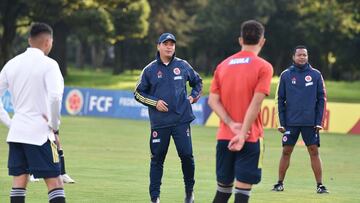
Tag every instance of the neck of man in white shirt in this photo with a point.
(43, 42)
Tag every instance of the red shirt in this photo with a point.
(236, 79)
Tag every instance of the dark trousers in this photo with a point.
(159, 144)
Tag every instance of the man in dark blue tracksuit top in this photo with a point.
(162, 87)
(301, 102)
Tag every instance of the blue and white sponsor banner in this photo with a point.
(110, 103)
(114, 103)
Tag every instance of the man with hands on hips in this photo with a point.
(162, 87)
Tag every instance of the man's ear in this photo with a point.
(241, 41)
(262, 42)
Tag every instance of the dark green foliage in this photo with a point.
(123, 33)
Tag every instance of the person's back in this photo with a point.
(36, 87)
(239, 77)
(240, 84)
(26, 75)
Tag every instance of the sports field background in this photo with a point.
(337, 91)
(109, 159)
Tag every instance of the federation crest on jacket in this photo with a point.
(159, 74)
(177, 71)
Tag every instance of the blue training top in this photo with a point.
(301, 97)
(168, 83)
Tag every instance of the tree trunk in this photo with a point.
(10, 14)
(97, 55)
(278, 63)
(58, 52)
(6, 41)
(209, 68)
(119, 63)
(79, 60)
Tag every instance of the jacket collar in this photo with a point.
(159, 59)
(301, 68)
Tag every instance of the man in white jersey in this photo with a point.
(36, 86)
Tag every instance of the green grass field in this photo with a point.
(103, 79)
(109, 159)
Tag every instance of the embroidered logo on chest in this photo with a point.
(308, 78)
(177, 71)
(293, 80)
(159, 74)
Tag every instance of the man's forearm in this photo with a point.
(218, 108)
(252, 113)
(55, 105)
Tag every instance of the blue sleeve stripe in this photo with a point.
(139, 80)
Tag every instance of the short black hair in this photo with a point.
(38, 28)
(298, 47)
(251, 32)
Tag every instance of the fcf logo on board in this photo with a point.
(74, 102)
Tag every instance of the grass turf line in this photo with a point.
(109, 159)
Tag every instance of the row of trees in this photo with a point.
(123, 33)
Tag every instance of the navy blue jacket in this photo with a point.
(168, 83)
(301, 97)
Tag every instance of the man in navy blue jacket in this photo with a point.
(301, 102)
(162, 87)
